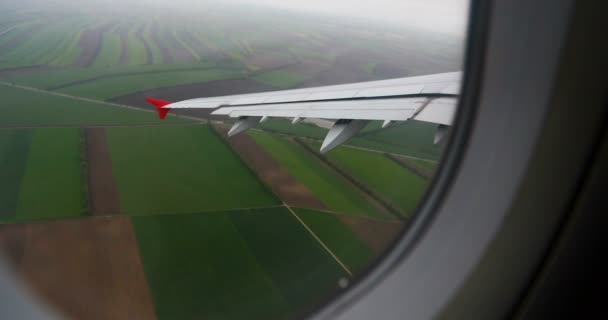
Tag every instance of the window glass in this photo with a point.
(106, 211)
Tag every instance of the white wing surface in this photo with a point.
(430, 98)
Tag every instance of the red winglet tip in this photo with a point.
(159, 104)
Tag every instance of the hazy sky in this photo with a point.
(448, 16)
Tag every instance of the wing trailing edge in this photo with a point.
(429, 98)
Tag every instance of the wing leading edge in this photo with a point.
(429, 98)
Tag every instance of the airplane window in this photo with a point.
(242, 159)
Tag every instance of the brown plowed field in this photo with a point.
(281, 182)
(90, 42)
(86, 269)
(103, 193)
(376, 234)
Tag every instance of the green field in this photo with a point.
(259, 264)
(29, 108)
(198, 266)
(53, 44)
(136, 49)
(401, 187)
(14, 149)
(295, 261)
(52, 185)
(40, 176)
(306, 130)
(110, 51)
(280, 79)
(412, 138)
(355, 254)
(333, 190)
(178, 169)
(430, 166)
(71, 51)
(118, 86)
(156, 55)
(52, 79)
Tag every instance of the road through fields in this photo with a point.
(9, 84)
(312, 233)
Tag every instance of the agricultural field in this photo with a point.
(398, 185)
(284, 126)
(137, 48)
(174, 220)
(109, 55)
(41, 43)
(14, 148)
(28, 108)
(280, 79)
(428, 165)
(104, 89)
(328, 186)
(180, 169)
(94, 42)
(41, 174)
(343, 241)
(52, 184)
(238, 249)
(57, 78)
(413, 138)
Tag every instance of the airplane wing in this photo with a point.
(430, 98)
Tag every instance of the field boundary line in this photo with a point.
(205, 212)
(224, 140)
(320, 241)
(84, 171)
(409, 167)
(136, 125)
(126, 74)
(120, 214)
(335, 213)
(370, 150)
(362, 187)
(321, 140)
(59, 94)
